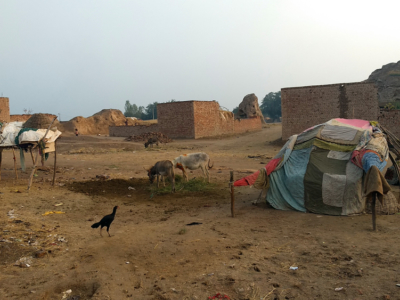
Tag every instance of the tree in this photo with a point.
(271, 105)
(150, 113)
(235, 110)
(131, 110)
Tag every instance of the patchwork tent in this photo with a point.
(321, 170)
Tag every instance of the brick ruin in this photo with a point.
(193, 120)
(4, 109)
(304, 107)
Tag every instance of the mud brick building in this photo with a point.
(303, 107)
(191, 119)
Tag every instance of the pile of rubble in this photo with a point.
(145, 136)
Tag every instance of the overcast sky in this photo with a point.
(75, 58)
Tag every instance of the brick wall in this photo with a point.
(211, 121)
(5, 109)
(207, 119)
(193, 120)
(132, 130)
(390, 119)
(304, 107)
(176, 119)
(246, 125)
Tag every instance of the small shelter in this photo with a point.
(28, 136)
(324, 169)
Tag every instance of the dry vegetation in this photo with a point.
(153, 252)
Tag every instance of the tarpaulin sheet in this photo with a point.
(286, 189)
(372, 159)
(9, 132)
(34, 136)
(248, 180)
(357, 123)
(313, 181)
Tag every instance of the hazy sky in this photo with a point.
(75, 58)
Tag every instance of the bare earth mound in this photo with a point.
(42, 121)
(96, 124)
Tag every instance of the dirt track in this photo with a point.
(153, 254)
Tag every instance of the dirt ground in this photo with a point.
(153, 253)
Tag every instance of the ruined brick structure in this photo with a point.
(303, 107)
(4, 109)
(191, 119)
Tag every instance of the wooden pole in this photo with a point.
(373, 211)
(33, 170)
(15, 164)
(34, 165)
(396, 168)
(232, 196)
(1, 158)
(33, 159)
(55, 161)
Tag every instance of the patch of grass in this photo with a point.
(182, 231)
(181, 186)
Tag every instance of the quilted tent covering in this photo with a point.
(321, 169)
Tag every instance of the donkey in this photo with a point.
(193, 161)
(163, 168)
(151, 141)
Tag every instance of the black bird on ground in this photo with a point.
(106, 221)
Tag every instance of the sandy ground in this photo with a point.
(153, 254)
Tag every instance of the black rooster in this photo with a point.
(106, 221)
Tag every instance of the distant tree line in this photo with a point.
(270, 106)
(144, 113)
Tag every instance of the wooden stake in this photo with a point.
(15, 164)
(1, 158)
(232, 196)
(34, 165)
(55, 161)
(33, 170)
(396, 169)
(33, 159)
(373, 204)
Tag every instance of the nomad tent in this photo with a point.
(322, 170)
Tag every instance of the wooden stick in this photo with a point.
(373, 211)
(33, 170)
(232, 196)
(1, 158)
(55, 161)
(395, 167)
(33, 159)
(15, 164)
(34, 165)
